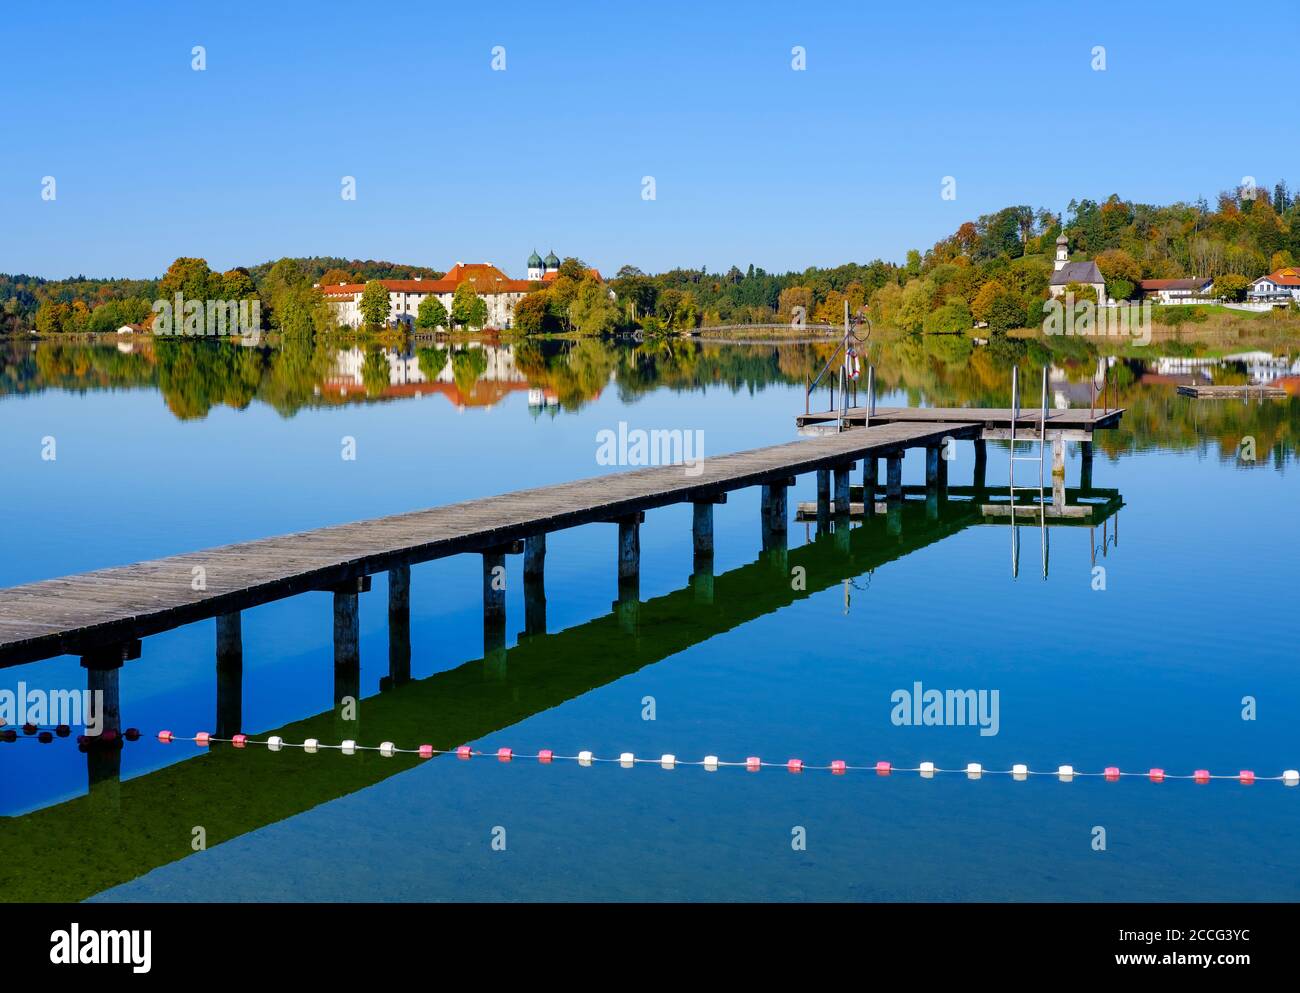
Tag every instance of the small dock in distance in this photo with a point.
(1243, 392)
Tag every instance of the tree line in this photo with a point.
(993, 270)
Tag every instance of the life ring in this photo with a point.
(854, 366)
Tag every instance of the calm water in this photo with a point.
(168, 448)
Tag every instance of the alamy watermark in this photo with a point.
(45, 707)
(179, 316)
(920, 707)
(1083, 317)
(656, 447)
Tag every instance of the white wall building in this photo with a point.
(498, 291)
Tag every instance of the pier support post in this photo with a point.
(842, 506)
(823, 499)
(932, 460)
(399, 625)
(230, 675)
(775, 515)
(629, 557)
(894, 477)
(870, 480)
(347, 646)
(104, 758)
(105, 681)
(535, 585)
(981, 463)
(494, 612)
(1085, 465)
(702, 529)
(1058, 457)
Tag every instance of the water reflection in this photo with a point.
(559, 375)
(119, 830)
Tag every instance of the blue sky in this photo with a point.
(753, 161)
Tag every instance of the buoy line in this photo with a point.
(711, 763)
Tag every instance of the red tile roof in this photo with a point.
(552, 274)
(1288, 276)
(485, 278)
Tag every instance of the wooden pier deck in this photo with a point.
(1075, 423)
(103, 610)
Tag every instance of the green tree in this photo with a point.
(302, 310)
(468, 309)
(592, 311)
(374, 304)
(431, 313)
(952, 318)
(915, 304)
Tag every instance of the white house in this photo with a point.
(1282, 286)
(1177, 290)
(499, 291)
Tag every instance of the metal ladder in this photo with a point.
(1040, 458)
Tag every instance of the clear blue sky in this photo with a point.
(753, 162)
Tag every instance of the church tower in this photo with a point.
(535, 271)
(1062, 251)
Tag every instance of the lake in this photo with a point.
(162, 447)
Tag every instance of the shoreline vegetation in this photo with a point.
(194, 377)
(990, 277)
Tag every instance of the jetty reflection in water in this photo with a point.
(120, 830)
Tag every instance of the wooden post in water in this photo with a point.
(535, 585)
(494, 612)
(628, 603)
(894, 477)
(347, 646)
(981, 463)
(399, 625)
(933, 463)
(629, 570)
(870, 480)
(702, 529)
(104, 758)
(230, 675)
(823, 500)
(1085, 465)
(702, 546)
(775, 515)
(842, 505)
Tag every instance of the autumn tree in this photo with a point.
(1231, 287)
(531, 315)
(333, 277)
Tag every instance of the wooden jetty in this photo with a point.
(1243, 392)
(145, 821)
(102, 615)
